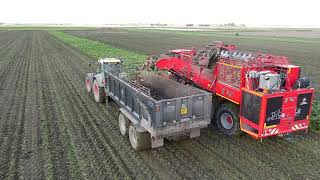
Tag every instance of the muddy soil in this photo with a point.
(51, 128)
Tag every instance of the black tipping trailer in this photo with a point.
(156, 108)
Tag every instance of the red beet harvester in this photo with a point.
(260, 94)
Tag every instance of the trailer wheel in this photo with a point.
(123, 124)
(139, 140)
(88, 85)
(227, 119)
(98, 92)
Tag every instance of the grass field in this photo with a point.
(51, 128)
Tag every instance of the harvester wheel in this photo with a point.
(139, 140)
(88, 85)
(227, 119)
(123, 124)
(98, 92)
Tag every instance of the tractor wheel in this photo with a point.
(139, 140)
(98, 92)
(123, 124)
(88, 85)
(227, 119)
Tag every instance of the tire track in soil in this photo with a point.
(46, 50)
(16, 154)
(32, 157)
(77, 116)
(283, 157)
(309, 143)
(58, 163)
(5, 66)
(222, 168)
(7, 40)
(185, 164)
(13, 116)
(272, 154)
(104, 134)
(232, 155)
(78, 113)
(150, 156)
(239, 163)
(8, 74)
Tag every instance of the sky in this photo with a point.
(249, 12)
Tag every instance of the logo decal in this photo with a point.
(289, 99)
(275, 115)
(304, 101)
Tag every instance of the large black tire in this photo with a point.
(227, 119)
(139, 140)
(124, 124)
(98, 92)
(88, 85)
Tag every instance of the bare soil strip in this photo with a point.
(51, 128)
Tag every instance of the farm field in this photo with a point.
(51, 128)
(301, 51)
(307, 33)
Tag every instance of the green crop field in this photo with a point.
(50, 128)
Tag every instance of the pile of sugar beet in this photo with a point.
(164, 88)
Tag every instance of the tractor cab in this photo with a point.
(95, 82)
(107, 64)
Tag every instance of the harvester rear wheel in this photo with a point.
(227, 119)
(139, 140)
(98, 92)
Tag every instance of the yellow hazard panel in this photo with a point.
(184, 110)
(271, 126)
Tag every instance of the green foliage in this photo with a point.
(98, 50)
(315, 116)
(237, 34)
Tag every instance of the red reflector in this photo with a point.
(157, 108)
